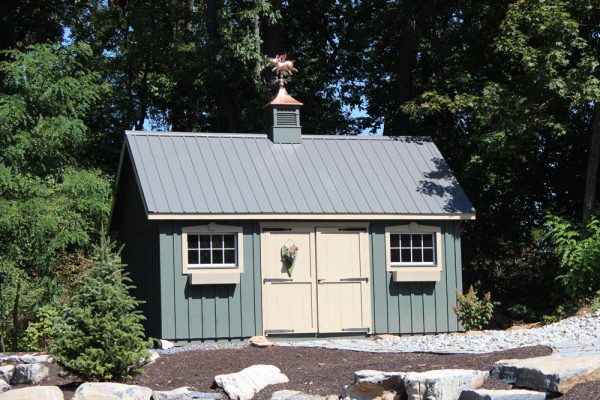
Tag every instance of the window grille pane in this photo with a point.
(394, 240)
(416, 255)
(229, 256)
(205, 257)
(192, 256)
(395, 255)
(217, 256)
(217, 241)
(427, 240)
(205, 241)
(428, 255)
(229, 241)
(416, 241)
(192, 241)
(405, 255)
(405, 240)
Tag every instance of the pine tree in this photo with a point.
(100, 335)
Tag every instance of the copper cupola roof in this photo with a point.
(283, 98)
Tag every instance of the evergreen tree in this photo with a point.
(100, 335)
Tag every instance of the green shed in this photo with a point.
(228, 236)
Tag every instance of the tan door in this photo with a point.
(343, 289)
(289, 303)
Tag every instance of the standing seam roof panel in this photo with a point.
(223, 173)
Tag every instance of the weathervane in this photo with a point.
(280, 64)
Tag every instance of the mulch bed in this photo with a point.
(315, 371)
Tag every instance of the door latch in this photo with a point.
(277, 280)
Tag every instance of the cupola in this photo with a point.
(282, 118)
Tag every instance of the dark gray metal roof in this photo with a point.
(193, 173)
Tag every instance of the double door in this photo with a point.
(328, 290)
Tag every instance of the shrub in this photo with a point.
(595, 303)
(39, 334)
(100, 335)
(473, 313)
(579, 252)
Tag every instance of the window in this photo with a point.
(413, 252)
(412, 248)
(212, 254)
(212, 250)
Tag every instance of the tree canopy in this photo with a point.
(509, 91)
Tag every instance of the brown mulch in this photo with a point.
(315, 371)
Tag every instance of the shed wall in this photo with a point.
(229, 312)
(193, 312)
(141, 252)
(416, 307)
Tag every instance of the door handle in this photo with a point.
(321, 280)
(354, 279)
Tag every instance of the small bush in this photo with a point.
(39, 334)
(579, 252)
(100, 335)
(473, 313)
(595, 303)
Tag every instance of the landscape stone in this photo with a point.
(4, 387)
(553, 373)
(166, 344)
(184, 393)
(245, 384)
(27, 359)
(111, 391)
(295, 395)
(515, 394)
(6, 372)
(387, 337)
(259, 341)
(33, 393)
(375, 385)
(442, 384)
(29, 374)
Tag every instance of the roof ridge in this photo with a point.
(264, 136)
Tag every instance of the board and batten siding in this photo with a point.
(209, 312)
(140, 252)
(410, 308)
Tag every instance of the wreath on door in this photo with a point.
(289, 252)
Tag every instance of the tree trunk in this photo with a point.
(397, 121)
(15, 317)
(591, 176)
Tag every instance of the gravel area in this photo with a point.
(571, 335)
(202, 346)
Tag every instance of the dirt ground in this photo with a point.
(315, 371)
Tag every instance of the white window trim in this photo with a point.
(215, 269)
(415, 272)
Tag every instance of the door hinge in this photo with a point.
(354, 279)
(352, 229)
(366, 330)
(277, 280)
(276, 331)
(276, 229)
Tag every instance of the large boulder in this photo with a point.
(295, 395)
(6, 372)
(442, 384)
(375, 385)
(4, 387)
(27, 359)
(553, 373)
(245, 384)
(515, 394)
(184, 393)
(33, 393)
(29, 374)
(111, 391)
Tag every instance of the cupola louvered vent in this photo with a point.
(287, 118)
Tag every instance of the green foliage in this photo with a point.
(579, 252)
(39, 334)
(51, 202)
(595, 303)
(472, 312)
(99, 334)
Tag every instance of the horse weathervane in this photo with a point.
(280, 64)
